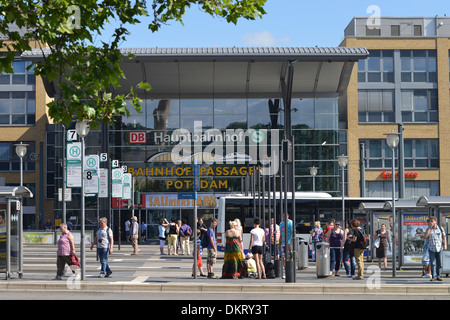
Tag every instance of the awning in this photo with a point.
(433, 201)
(371, 206)
(400, 205)
(19, 191)
(201, 73)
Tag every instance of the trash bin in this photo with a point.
(323, 259)
(302, 254)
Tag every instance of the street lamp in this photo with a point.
(82, 128)
(21, 151)
(392, 139)
(343, 161)
(313, 173)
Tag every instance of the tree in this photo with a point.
(66, 32)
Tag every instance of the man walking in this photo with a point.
(105, 242)
(134, 231)
(436, 242)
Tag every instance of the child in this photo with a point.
(251, 266)
(199, 256)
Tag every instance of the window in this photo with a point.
(379, 67)
(21, 75)
(417, 30)
(419, 105)
(376, 106)
(9, 161)
(17, 108)
(395, 31)
(373, 31)
(418, 153)
(418, 66)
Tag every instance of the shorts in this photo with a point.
(257, 250)
(211, 257)
(199, 260)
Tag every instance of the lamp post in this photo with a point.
(82, 128)
(313, 173)
(21, 151)
(392, 139)
(343, 161)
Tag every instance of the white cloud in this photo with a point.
(263, 39)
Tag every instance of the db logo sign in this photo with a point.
(137, 137)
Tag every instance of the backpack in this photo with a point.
(364, 243)
(270, 270)
(204, 240)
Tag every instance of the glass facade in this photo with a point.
(317, 142)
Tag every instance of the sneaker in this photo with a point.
(101, 275)
(438, 279)
(108, 274)
(57, 278)
(427, 276)
(358, 278)
(211, 276)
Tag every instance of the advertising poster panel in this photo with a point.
(414, 227)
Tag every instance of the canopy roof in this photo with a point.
(232, 72)
(19, 191)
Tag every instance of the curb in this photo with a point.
(299, 289)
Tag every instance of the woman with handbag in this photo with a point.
(66, 248)
(381, 242)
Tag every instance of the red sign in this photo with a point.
(388, 174)
(137, 137)
(115, 203)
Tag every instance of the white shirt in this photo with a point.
(258, 235)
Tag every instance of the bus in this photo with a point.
(309, 207)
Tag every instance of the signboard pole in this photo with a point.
(196, 172)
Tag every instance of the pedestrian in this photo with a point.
(290, 230)
(384, 242)
(251, 265)
(436, 242)
(336, 237)
(143, 231)
(69, 225)
(327, 229)
(185, 236)
(199, 255)
(316, 236)
(202, 227)
(163, 225)
(275, 240)
(105, 243)
(48, 225)
(172, 237)
(426, 261)
(134, 234)
(127, 229)
(347, 252)
(212, 249)
(66, 248)
(239, 229)
(179, 238)
(256, 248)
(358, 250)
(234, 266)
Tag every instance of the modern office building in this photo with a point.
(404, 81)
(23, 118)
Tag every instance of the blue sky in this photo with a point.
(288, 23)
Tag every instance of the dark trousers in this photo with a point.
(61, 264)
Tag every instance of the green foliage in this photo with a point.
(84, 71)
